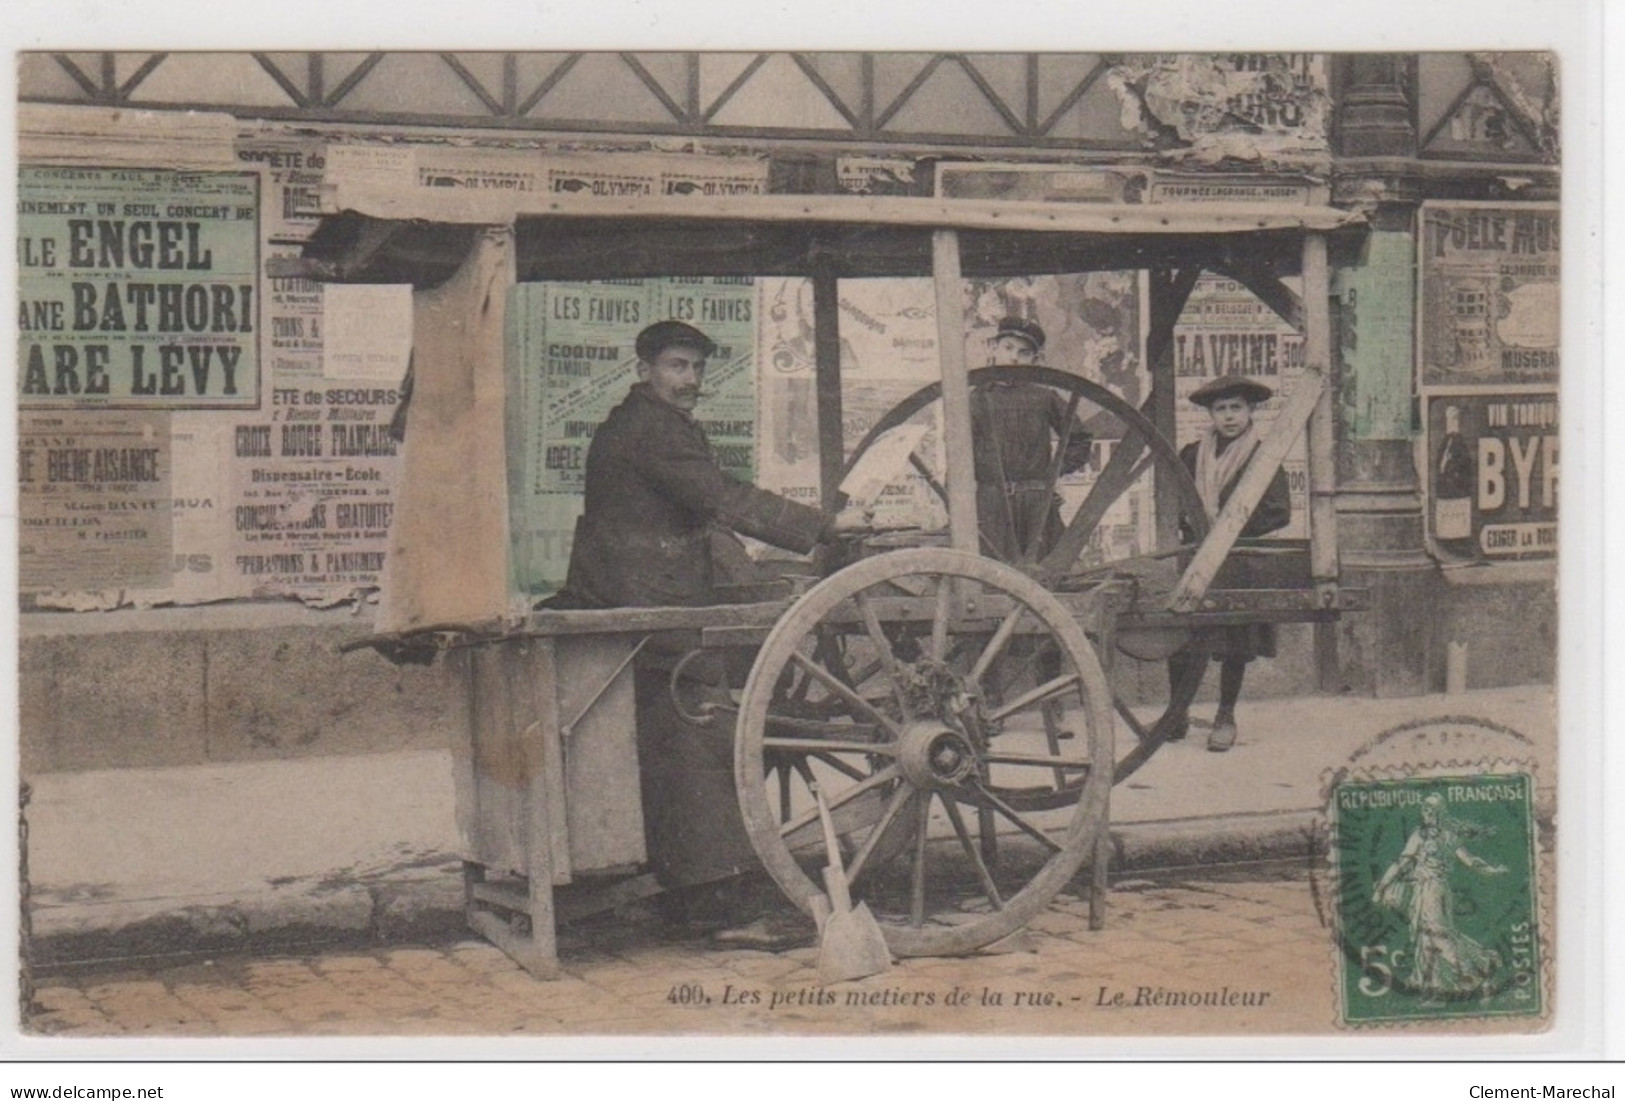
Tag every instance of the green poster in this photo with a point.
(137, 288)
(571, 360)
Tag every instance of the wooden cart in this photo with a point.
(956, 711)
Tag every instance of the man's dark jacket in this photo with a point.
(654, 491)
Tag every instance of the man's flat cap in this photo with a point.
(1231, 386)
(663, 334)
(1022, 329)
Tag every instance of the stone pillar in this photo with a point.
(1388, 650)
(1375, 120)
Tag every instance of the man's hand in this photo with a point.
(854, 518)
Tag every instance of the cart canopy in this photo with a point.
(449, 541)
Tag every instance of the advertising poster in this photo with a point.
(294, 320)
(1035, 183)
(368, 331)
(875, 175)
(139, 288)
(1225, 329)
(201, 502)
(1492, 474)
(611, 176)
(787, 403)
(572, 361)
(312, 493)
(293, 172)
(888, 351)
(478, 169)
(1245, 105)
(93, 498)
(888, 334)
(1488, 361)
(536, 170)
(1490, 314)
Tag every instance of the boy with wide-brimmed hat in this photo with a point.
(1216, 462)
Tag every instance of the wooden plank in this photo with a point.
(584, 900)
(538, 955)
(827, 373)
(451, 514)
(962, 519)
(507, 893)
(1118, 474)
(464, 785)
(713, 637)
(602, 795)
(1261, 468)
(498, 813)
(1257, 601)
(626, 620)
(503, 208)
(1267, 287)
(536, 671)
(1169, 293)
(1323, 565)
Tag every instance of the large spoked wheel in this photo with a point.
(1138, 452)
(873, 688)
(1078, 557)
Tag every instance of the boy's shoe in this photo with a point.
(1223, 734)
(1177, 729)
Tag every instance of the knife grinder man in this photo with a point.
(655, 499)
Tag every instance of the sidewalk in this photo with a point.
(363, 849)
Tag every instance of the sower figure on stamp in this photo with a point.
(1217, 461)
(1445, 960)
(1016, 428)
(656, 499)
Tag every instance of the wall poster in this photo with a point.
(1489, 359)
(1492, 474)
(94, 501)
(571, 360)
(139, 288)
(1226, 329)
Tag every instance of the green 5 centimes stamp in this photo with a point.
(1436, 898)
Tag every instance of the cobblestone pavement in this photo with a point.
(1249, 950)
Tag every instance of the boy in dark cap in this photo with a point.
(1216, 462)
(1014, 426)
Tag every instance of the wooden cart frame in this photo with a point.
(551, 695)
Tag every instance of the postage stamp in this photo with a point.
(1435, 833)
(1436, 898)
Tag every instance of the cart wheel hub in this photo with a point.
(933, 756)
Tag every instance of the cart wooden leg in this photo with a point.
(1098, 879)
(542, 949)
(473, 874)
(516, 915)
(1099, 874)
